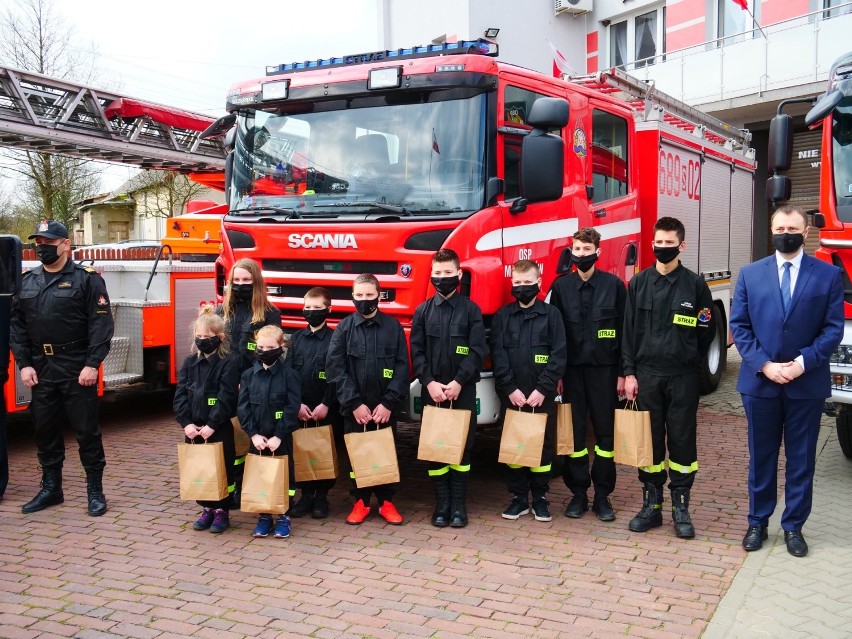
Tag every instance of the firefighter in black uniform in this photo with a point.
(447, 352)
(368, 364)
(528, 347)
(592, 306)
(668, 328)
(61, 329)
(308, 352)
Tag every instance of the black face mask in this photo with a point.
(445, 285)
(269, 357)
(525, 293)
(47, 253)
(666, 254)
(315, 317)
(207, 345)
(366, 307)
(585, 262)
(242, 292)
(787, 242)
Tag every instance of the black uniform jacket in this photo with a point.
(447, 340)
(269, 400)
(368, 362)
(206, 393)
(528, 349)
(668, 322)
(71, 314)
(241, 331)
(593, 331)
(308, 352)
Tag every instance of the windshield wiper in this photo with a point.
(290, 213)
(379, 205)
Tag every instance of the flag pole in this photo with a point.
(744, 5)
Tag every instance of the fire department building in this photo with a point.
(736, 64)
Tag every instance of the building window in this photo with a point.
(733, 21)
(646, 38)
(834, 9)
(618, 44)
(609, 156)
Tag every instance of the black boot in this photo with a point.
(458, 499)
(95, 492)
(680, 513)
(50, 493)
(304, 505)
(651, 515)
(441, 516)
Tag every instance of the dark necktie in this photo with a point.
(785, 287)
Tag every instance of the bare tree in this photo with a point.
(167, 193)
(34, 37)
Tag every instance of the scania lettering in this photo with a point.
(381, 159)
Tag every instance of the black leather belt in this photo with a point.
(52, 349)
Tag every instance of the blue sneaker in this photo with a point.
(264, 526)
(282, 527)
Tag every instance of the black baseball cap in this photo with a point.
(51, 229)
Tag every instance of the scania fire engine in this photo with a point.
(372, 162)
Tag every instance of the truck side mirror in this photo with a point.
(817, 218)
(219, 127)
(11, 253)
(564, 264)
(825, 106)
(778, 188)
(780, 143)
(548, 113)
(542, 153)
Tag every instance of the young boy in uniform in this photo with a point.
(308, 352)
(528, 348)
(592, 306)
(368, 364)
(447, 351)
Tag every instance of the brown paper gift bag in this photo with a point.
(314, 454)
(372, 454)
(633, 443)
(443, 434)
(266, 486)
(241, 438)
(564, 430)
(202, 471)
(523, 438)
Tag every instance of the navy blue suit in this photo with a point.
(812, 328)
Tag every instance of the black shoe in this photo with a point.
(441, 514)
(517, 507)
(50, 493)
(796, 544)
(578, 505)
(95, 492)
(651, 515)
(540, 510)
(320, 509)
(754, 538)
(303, 506)
(603, 509)
(680, 514)
(458, 499)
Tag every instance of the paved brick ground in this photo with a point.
(139, 571)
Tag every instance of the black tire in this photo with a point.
(844, 432)
(713, 364)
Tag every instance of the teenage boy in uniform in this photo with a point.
(528, 348)
(592, 306)
(308, 352)
(447, 351)
(368, 364)
(668, 328)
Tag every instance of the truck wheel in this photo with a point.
(844, 432)
(713, 364)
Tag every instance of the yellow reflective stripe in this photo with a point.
(232, 488)
(540, 469)
(693, 467)
(292, 492)
(514, 466)
(439, 471)
(239, 460)
(656, 468)
(603, 453)
(351, 474)
(460, 469)
(580, 453)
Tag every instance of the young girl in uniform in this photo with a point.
(205, 400)
(268, 408)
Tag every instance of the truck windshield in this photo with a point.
(841, 132)
(421, 159)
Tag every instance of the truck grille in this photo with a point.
(330, 266)
(336, 292)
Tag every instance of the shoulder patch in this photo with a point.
(89, 269)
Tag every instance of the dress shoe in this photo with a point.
(754, 538)
(796, 544)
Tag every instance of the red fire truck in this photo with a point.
(832, 111)
(372, 162)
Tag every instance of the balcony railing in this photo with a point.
(782, 55)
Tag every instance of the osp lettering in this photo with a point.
(322, 240)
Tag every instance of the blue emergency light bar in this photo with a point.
(479, 47)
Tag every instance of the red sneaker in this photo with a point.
(359, 513)
(390, 514)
